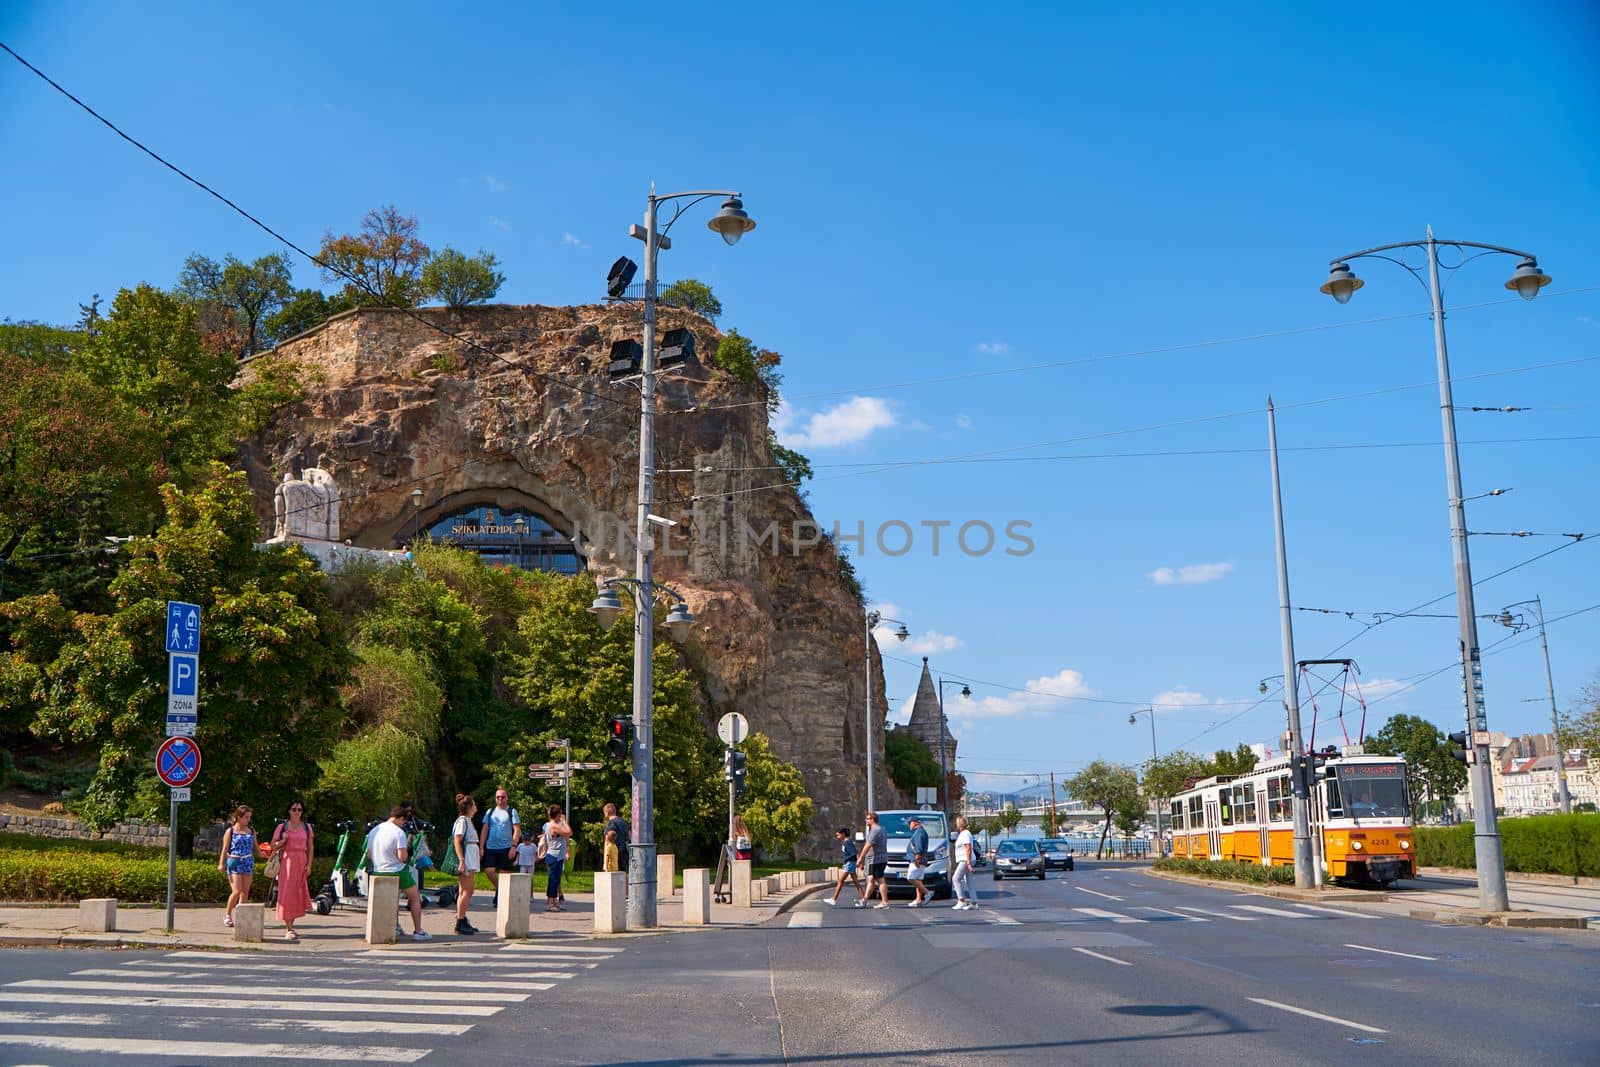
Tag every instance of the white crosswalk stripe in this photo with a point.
(384, 1005)
(1219, 914)
(1278, 913)
(1113, 916)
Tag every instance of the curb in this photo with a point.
(1282, 892)
(1524, 877)
(795, 898)
(1521, 920)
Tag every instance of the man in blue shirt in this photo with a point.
(917, 860)
(502, 832)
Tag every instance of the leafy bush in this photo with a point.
(1537, 844)
(1230, 870)
(46, 869)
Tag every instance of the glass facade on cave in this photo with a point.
(491, 532)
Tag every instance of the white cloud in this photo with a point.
(993, 348)
(963, 422)
(1193, 574)
(572, 241)
(494, 184)
(1373, 688)
(926, 644)
(844, 424)
(499, 223)
(1043, 695)
(1173, 699)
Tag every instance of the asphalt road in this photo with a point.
(1099, 966)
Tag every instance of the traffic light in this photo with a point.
(733, 769)
(1459, 749)
(619, 738)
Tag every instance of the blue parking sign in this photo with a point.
(183, 627)
(183, 675)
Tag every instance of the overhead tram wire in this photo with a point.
(1132, 354)
(331, 268)
(1057, 696)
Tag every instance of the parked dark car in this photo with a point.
(1018, 858)
(1057, 853)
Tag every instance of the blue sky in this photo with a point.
(942, 195)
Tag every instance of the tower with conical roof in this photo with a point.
(927, 723)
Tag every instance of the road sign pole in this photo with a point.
(172, 860)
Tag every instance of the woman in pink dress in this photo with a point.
(292, 844)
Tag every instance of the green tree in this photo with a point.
(273, 659)
(1169, 774)
(1008, 818)
(1580, 725)
(740, 357)
(459, 280)
(774, 806)
(305, 309)
(1430, 769)
(910, 763)
(693, 295)
(1108, 786)
(235, 299)
(385, 258)
(1240, 761)
(1129, 816)
(794, 466)
(41, 345)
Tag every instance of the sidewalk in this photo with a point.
(201, 926)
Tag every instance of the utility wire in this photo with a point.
(330, 267)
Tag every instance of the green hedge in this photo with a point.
(1231, 870)
(1537, 844)
(57, 873)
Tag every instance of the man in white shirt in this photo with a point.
(389, 850)
(962, 878)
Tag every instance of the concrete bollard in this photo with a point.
(697, 895)
(383, 901)
(742, 888)
(666, 867)
(516, 895)
(97, 915)
(248, 920)
(610, 902)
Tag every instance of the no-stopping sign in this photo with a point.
(178, 761)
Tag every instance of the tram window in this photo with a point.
(1248, 796)
(1335, 809)
(1225, 803)
(1372, 796)
(1177, 815)
(1195, 812)
(1275, 799)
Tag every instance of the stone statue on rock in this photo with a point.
(307, 508)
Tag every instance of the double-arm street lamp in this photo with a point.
(1526, 281)
(1133, 718)
(900, 633)
(731, 223)
(1518, 622)
(944, 731)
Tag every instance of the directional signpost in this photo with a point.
(560, 773)
(178, 758)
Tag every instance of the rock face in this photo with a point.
(393, 405)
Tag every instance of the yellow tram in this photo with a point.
(1360, 817)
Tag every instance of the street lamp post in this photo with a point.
(732, 223)
(521, 528)
(1133, 717)
(900, 633)
(1526, 281)
(944, 730)
(1517, 623)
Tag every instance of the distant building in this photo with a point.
(1524, 773)
(928, 721)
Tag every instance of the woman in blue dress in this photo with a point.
(238, 859)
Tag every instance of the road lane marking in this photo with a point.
(1316, 1015)
(1277, 912)
(1220, 914)
(1108, 896)
(1098, 956)
(173, 970)
(1336, 911)
(330, 1026)
(236, 1003)
(216, 1049)
(266, 991)
(1392, 952)
(1113, 916)
(1005, 920)
(1179, 914)
(550, 946)
(430, 983)
(801, 919)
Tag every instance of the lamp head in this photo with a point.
(520, 525)
(1528, 279)
(1131, 719)
(732, 222)
(606, 607)
(1342, 283)
(416, 498)
(679, 621)
(966, 692)
(1505, 618)
(901, 633)
(1262, 688)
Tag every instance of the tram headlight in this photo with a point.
(1356, 846)
(1404, 843)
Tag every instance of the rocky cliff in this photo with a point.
(392, 405)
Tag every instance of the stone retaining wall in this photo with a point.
(132, 832)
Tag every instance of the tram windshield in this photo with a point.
(1374, 790)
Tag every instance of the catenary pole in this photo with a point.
(1563, 794)
(1304, 872)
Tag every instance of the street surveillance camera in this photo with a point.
(657, 520)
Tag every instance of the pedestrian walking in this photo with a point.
(237, 859)
(469, 859)
(612, 861)
(291, 844)
(390, 854)
(917, 859)
(961, 880)
(502, 832)
(875, 858)
(557, 834)
(847, 872)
